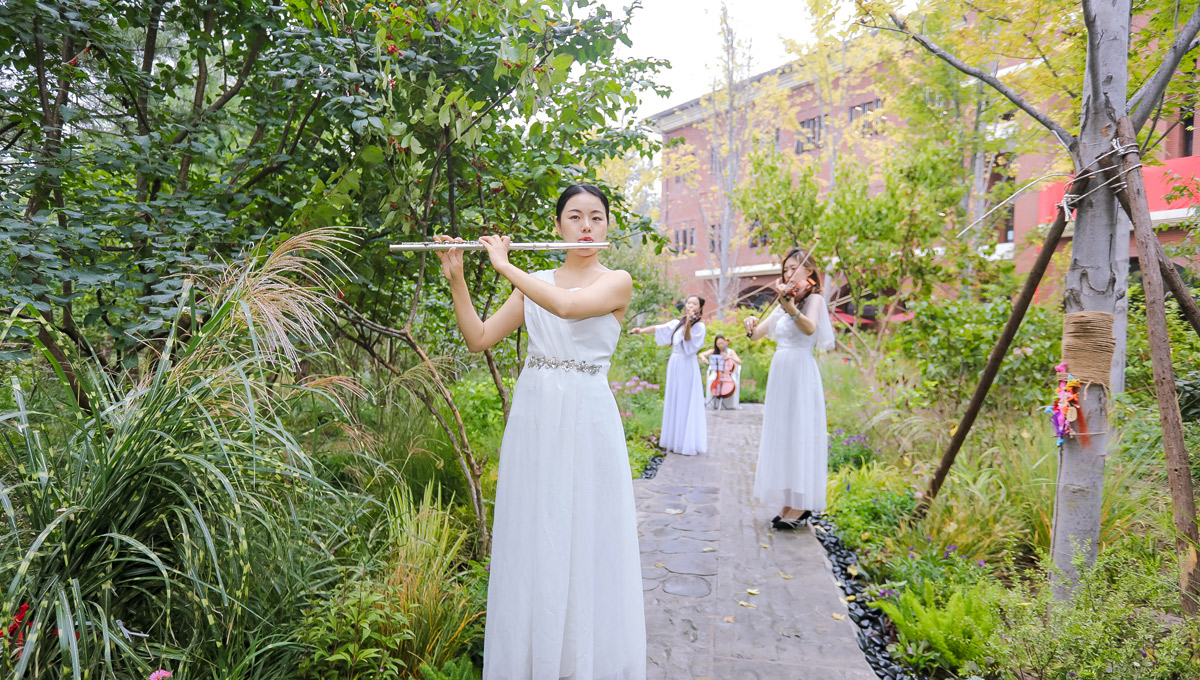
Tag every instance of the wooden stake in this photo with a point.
(1183, 503)
(1032, 281)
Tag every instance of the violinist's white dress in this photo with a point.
(793, 452)
(683, 425)
(565, 590)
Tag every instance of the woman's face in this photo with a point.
(789, 270)
(722, 344)
(691, 305)
(583, 219)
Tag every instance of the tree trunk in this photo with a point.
(1091, 287)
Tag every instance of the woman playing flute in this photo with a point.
(565, 587)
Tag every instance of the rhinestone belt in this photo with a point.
(537, 361)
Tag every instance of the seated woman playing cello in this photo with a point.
(722, 379)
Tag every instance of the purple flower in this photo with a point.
(981, 563)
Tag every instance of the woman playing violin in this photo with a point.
(793, 450)
(683, 427)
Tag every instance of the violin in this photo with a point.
(799, 294)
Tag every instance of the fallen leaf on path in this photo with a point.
(838, 616)
(708, 548)
(728, 619)
(674, 511)
(746, 604)
(660, 565)
(764, 546)
(851, 598)
(852, 570)
(785, 576)
(752, 591)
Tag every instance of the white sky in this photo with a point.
(685, 32)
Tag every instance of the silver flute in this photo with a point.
(426, 246)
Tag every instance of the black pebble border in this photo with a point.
(872, 623)
(651, 468)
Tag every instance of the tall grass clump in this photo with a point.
(174, 522)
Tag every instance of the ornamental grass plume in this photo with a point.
(155, 506)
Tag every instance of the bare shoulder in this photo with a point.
(618, 275)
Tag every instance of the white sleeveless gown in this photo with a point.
(793, 452)
(565, 587)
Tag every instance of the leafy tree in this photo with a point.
(150, 142)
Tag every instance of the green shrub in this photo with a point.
(640, 453)
(360, 637)
(950, 631)
(458, 669)
(482, 412)
(849, 450)
(1116, 626)
(868, 504)
(949, 342)
(1185, 350)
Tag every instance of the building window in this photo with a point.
(712, 159)
(712, 238)
(811, 134)
(861, 114)
(685, 241)
(778, 138)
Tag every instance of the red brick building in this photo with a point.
(682, 218)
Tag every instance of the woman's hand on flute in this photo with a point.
(497, 250)
(452, 260)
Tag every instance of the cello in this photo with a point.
(723, 385)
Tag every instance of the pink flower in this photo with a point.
(160, 675)
(1061, 368)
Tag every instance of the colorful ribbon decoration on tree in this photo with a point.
(1066, 412)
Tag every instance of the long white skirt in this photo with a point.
(684, 429)
(565, 588)
(793, 453)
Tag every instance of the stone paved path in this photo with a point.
(705, 542)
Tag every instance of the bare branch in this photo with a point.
(251, 57)
(1066, 138)
(1146, 98)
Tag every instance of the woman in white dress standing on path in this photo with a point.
(565, 585)
(684, 429)
(793, 452)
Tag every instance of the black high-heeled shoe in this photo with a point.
(781, 524)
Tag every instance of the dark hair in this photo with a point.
(574, 190)
(805, 259)
(716, 349)
(683, 320)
